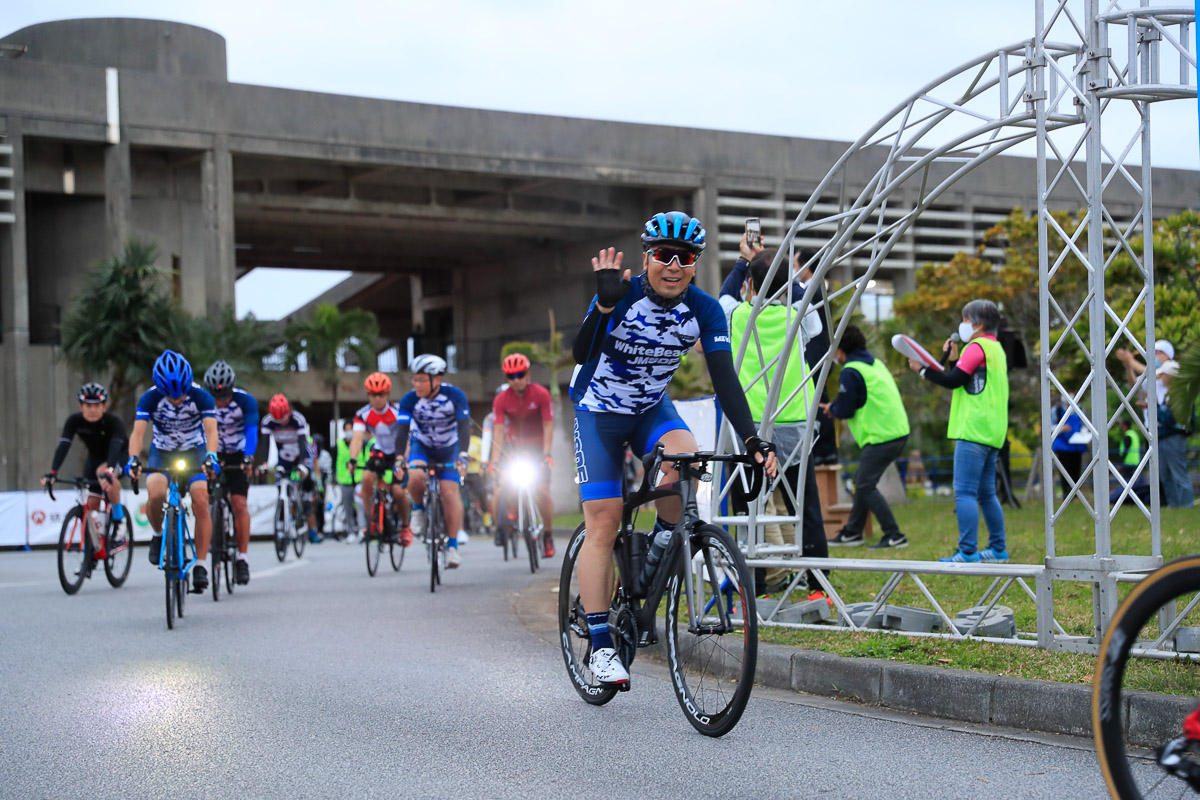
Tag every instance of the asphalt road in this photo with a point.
(318, 681)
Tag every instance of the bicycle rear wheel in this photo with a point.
(713, 664)
(573, 634)
(300, 536)
(118, 550)
(1154, 616)
(74, 553)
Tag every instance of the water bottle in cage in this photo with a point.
(95, 526)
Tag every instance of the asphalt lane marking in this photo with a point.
(18, 584)
(266, 573)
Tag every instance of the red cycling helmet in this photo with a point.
(515, 363)
(279, 408)
(378, 383)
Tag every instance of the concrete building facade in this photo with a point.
(464, 227)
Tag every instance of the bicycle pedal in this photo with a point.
(624, 686)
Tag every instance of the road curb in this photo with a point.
(939, 692)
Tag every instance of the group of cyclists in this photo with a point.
(631, 341)
(214, 429)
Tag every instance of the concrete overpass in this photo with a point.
(466, 225)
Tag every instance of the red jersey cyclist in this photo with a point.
(379, 419)
(523, 425)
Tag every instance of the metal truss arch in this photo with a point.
(1046, 90)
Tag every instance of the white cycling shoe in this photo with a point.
(453, 559)
(417, 521)
(606, 666)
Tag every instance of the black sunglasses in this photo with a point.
(515, 376)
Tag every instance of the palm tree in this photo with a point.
(241, 343)
(122, 319)
(331, 333)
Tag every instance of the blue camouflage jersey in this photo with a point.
(435, 419)
(291, 437)
(176, 427)
(237, 424)
(642, 349)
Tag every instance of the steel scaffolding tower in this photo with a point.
(1086, 64)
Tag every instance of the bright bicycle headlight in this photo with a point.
(181, 465)
(523, 474)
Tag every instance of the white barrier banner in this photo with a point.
(12, 519)
(44, 517)
(260, 500)
(700, 415)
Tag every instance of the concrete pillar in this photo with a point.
(118, 194)
(16, 466)
(708, 269)
(216, 182)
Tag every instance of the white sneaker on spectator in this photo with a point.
(606, 666)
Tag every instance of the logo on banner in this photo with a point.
(142, 519)
(38, 517)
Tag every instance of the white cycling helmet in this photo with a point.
(429, 364)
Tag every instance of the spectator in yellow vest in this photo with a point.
(979, 424)
(869, 401)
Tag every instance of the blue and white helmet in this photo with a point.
(674, 229)
(172, 374)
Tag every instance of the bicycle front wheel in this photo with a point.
(231, 550)
(396, 554)
(434, 529)
(217, 547)
(1155, 617)
(169, 566)
(573, 633)
(281, 530)
(712, 661)
(73, 551)
(531, 546)
(118, 550)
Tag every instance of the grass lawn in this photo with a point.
(932, 533)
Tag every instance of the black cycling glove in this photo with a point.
(757, 445)
(610, 287)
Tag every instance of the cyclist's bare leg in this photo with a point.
(199, 492)
(156, 491)
(241, 522)
(400, 502)
(546, 504)
(368, 486)
(677, 441)
(416, 481)
(110, 487)
(452, 507)
(601, 518)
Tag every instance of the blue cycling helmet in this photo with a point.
(675, 229)
(172, 374)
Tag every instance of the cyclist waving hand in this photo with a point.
(628, 348)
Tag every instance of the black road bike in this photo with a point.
(224, 550)
(1161, 618)
(435, 525)
(711, 623)
(383, 523)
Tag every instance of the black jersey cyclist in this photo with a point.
(237, 439)
(103, 434)
(628, 348)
